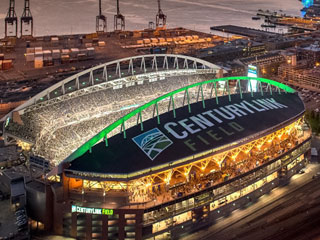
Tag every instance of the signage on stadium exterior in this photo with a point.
(154, 141)
(197, 123)
(204, 120)
(97, 211)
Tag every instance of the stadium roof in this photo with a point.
(117, 72)
(181, 135)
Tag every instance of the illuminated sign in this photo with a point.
(307, 3)
(196, 123)
(152, 142)
(253, 72)
(98, 211)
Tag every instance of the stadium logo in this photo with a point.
(152, 142)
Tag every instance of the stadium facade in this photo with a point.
(177, 162)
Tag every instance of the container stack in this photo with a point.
(74, 53)
(91, 52)
(101, 43)
(47, 58)
(56, 55)
(55, 41)
(42, 58)
(178, 40)
(38, 62)
(6, 64)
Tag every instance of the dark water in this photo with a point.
(78, 16)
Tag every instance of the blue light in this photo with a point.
(307, 3)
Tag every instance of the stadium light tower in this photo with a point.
(12, 20)
(101, 21)
(161, 18)
(119, 20)
(26, 23)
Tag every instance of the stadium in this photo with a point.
(156, 146)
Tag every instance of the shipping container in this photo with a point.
(37, 49)
(56, 54)
(47, 53)
(65, 51)
(136, 34)
(30, 50)
(48, 61)
(195, 37)
(83, 51)
(101, 43)
(91, 51)
(54, 39)
(74, 52)
(38, 62)
(29, 57)
(154, 40)
(146, 41)
(92, 35)
(65, 58)
(38, 54)
(82, 57)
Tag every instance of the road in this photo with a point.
(289, 212)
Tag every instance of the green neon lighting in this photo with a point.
(240, 89)
(228, 91)
(188, 99)
(88, 210)
(141, 123)
(158, 118)
(173, 108)
(202, 97)
(216, 92)
(98, 137)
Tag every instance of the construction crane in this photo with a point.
(119, 20)
(12, 20)
(26, 24)
(101, 21)
(161, 18)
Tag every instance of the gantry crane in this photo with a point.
(119, 20)
(12, 20)
(161, 18)
(26, 23)
(101, 21)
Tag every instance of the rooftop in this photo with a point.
(189, 134)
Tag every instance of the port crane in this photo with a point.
(161, 18)
(101, 21)
(26, 24)
(11, 21)
(119, 20)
